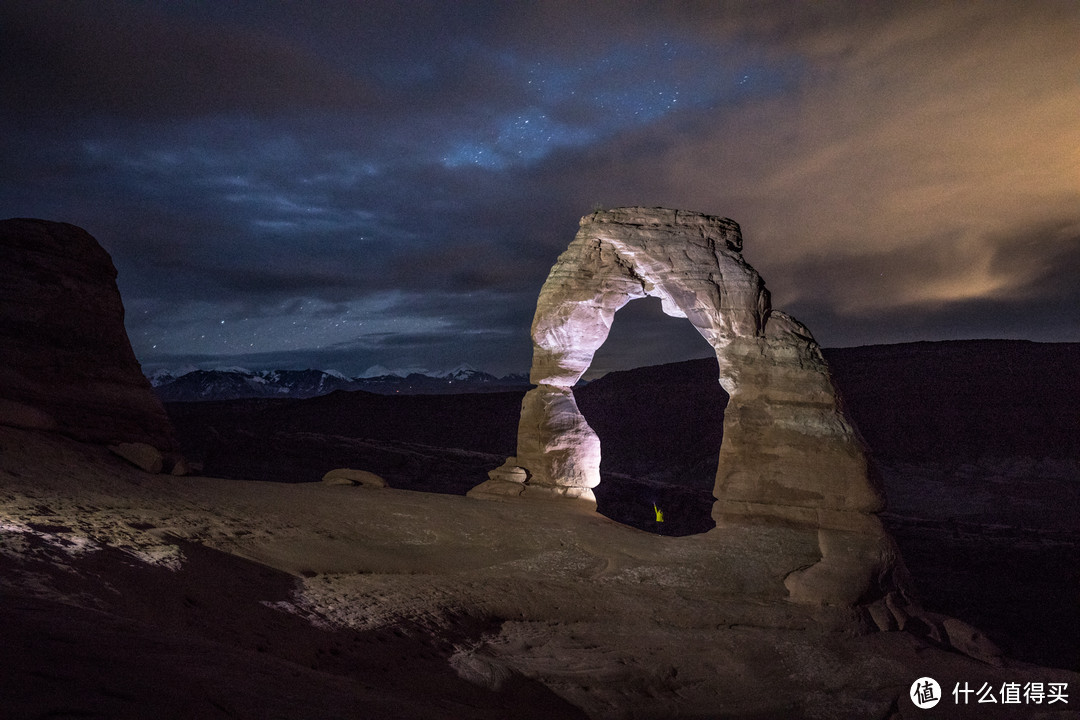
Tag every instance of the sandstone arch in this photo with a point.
(788, 456)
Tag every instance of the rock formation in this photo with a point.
(67, 363)
(348, 476)
(789, 455)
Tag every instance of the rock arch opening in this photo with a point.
(658, 412)
(643, 335)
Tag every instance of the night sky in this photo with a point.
(340, 184)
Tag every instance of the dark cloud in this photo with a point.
(1024, 287)
(388, 182)
(136, 60)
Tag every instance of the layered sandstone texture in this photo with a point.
(67, 363)
(789, 454)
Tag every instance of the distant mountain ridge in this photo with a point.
(237, 383)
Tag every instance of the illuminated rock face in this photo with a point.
(788, 456)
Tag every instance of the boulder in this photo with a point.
(141, 455)
(67, 363)
(507, 480)
(180, 466)
(348, 476)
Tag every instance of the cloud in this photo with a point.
(896, 167)
(404, 328)
(135, 60)
(915, 148)
(1024, 286)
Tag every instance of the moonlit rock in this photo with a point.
(789, 455)
(691, 262)
(563, 443)
(348, 476)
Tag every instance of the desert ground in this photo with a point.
(134, 595)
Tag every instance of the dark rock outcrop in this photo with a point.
(67, 363)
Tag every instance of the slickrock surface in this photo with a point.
(67, 363)
(131, 596)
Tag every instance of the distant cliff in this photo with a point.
(963, 399)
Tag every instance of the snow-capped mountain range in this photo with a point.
(231, 383)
